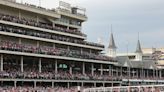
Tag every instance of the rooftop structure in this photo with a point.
(138, 49)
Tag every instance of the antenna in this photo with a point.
(111, 29)
(138, 35)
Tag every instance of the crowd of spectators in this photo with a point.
(31, 22)
(46, 35)
(75, 89)
(13, 46)
(33, 6)
(137, 89)
(37, 89)
(33, 73)
(12, 70)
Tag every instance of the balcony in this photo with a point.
(43, 36)
(31, 8)
(58, 52)
(33, 23)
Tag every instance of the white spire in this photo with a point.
(112, 47)
(112, 42)
(138, 50)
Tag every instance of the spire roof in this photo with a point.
(138, 49)
(112, 43)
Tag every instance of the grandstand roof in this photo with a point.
(125, 62)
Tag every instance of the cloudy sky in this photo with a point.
(128, 17)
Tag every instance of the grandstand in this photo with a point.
(141, 88)
(43, 50)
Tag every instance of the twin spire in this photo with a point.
(138, 49)
(112, 44)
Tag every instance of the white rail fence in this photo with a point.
(142, 88)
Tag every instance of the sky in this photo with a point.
(128, 18)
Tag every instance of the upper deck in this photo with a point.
(54, 13)
(30, 8)
(30, 18)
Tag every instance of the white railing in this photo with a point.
(142, 88)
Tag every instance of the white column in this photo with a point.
(90, 51)
(37, 19)
(53, 24)
(95, 84)
(1, 62)
(22, 64)
(37, 44)
(133, 71)
(156, 73)
(54, 45)
(68, 48)
(143, 73)
(121, 71)
(20, 41)
(103, 85)
(112, 71)
(70, 69)
(68, 27)
(68, 85)
(160, 73)
(40, 65)
(83, 68)
(52, 84)
(153, 73)
(56, 66)
(82, 84)
(109, 71)
(137, 73)
(129, 72)
(140, 72)
(139, 89)
(19, 14)
(15, 84)
(117, 71)
(112, 84)
(101, 67)
(81, 50)
(34, 84)
(147, 73)
(92, 69)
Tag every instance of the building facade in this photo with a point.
(46, 48)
